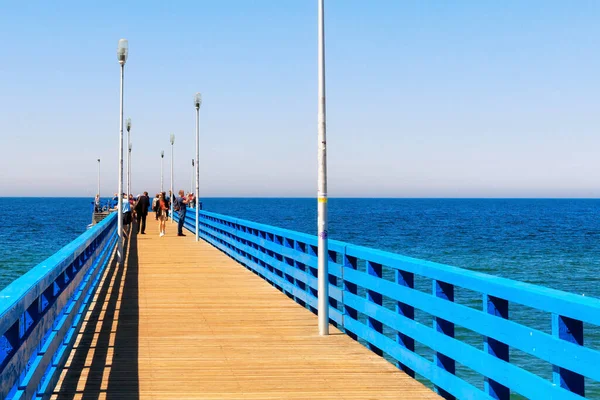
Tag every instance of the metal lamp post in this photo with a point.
(172, 140)
(129, 171)
(122, 53)
(192, 178)
(197, 104)
(128, 126)
(162, 159)
(323, 273)
(98, 179)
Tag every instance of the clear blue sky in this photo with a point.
(438, 98)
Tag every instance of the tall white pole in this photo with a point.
(128, 157)
(162, 159)
(120, 191)
(197, 169)
(129, 170)
(122, 51)
(98, 179)
(323, 273)
(172, 193)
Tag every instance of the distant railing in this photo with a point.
(41, 312)
(359, 286)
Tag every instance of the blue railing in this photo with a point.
(364, 282)
(41, 312)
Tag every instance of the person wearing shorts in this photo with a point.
(162, 214)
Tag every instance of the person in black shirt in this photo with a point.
(141, 209)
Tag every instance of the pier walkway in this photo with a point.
(182, 320)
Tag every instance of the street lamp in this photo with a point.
(128, 126)
(122, 52)
(172, 140)
(323, 273)
(197, 104)
(129, 170)
(162, 159)
(192, 178)
(98, 179)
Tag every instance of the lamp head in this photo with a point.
(172, 139)
(197, 100)
(98, 160)
(162, 154)
(122, 51)
(128, 124)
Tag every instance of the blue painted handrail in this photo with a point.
(41, 312)
(358, 286)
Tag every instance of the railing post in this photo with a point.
(498, 307)
(301, 247)
(571, 330)
(444, 291)
(407, 279)
(332, 281)
(314, 272)
(376, 270)
(289, 278)
(349, 262)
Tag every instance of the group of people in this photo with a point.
(136, 208)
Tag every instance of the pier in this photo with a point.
(182, 320)
(234, 317)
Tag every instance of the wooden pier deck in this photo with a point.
(181, 320)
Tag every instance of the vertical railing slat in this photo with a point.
(314, 272)
(349, 312)
(405, 279)
(571, 330)
(444, 291)
(376, 270)
(300, 247)
(333, 281)
(498, 307)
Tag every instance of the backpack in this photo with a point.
(176, 205)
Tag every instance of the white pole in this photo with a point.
(98, 179)
(128, 157)
(197, 169)
(171, 195)
(129, 171)
(120, 191)
(323, 273)
(162, 159)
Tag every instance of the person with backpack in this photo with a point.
(161, 211)
(180, 206)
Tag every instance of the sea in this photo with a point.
(549, 242)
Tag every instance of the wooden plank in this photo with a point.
(182, 320)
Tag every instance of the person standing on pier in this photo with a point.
(181, 207)
(168, 202)
(155, 205)
(161, 211)
(141, 209)
(126, 211)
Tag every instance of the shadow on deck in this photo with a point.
(104, 360)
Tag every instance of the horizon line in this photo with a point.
(337, 197)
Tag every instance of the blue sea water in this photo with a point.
(35, 228)
(554, 243)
